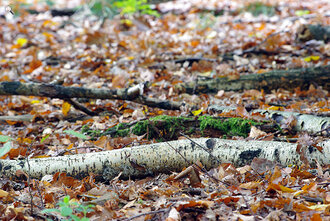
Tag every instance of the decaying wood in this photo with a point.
(304, 122)
(25, 117)
(62, 92)
(310, 32)
(162, 158)
(287, 79)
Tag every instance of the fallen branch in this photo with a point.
(288, 79)
(160, 158)
(304, 122)
(62, 92)
(317, 32)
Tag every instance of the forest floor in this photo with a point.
(191, 41)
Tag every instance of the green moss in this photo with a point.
(161, 126)
(85, 129)
(122, 133)
(167, 127)
(121, 126)
(258, 8)
(230, 126)
(92, 133)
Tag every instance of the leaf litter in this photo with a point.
(82, 51)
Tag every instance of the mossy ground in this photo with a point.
(165, 127)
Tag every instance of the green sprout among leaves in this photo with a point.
(109, 8)
(66, 210)
(134, 6)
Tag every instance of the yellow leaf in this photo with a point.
(41, 156)
(196, 112)
(276, 108)
(21, 41)
(205, 74)
(312, 58)
(3, 193)
(35, 102)
(66, 108)
(315, 58)
(318, 207)
(298, 193)
(47, 35)
(286, 189)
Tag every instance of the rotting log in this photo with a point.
(304, 122)
(164, 158)
(310, 32)
(165, 127)
(287, 79)
(58, 91)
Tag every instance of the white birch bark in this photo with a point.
(161, 158)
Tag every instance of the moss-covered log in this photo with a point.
(168, 128)
(287, 79)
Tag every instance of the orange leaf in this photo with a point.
(194, 43)
(3, 193)
(309, 186)
(316, 217)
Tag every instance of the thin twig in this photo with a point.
(80, 107)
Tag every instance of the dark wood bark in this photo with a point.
(310, 32)
(287, 79)
(62, 92)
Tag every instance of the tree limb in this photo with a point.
(62, 92)
(288, 79)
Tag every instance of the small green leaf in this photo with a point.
(50, 3)
(44, 138)
(66, 199)
(66, 211)
(6, 148)
(97, 9)
(50, 211)
(77, 134)
(4, 138)
(302, 12)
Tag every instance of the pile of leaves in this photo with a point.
(160, 47)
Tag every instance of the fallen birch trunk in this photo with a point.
(287, 79)
(162, 158)
(58, 91)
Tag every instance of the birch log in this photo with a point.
(305, 122)
(162, 158)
